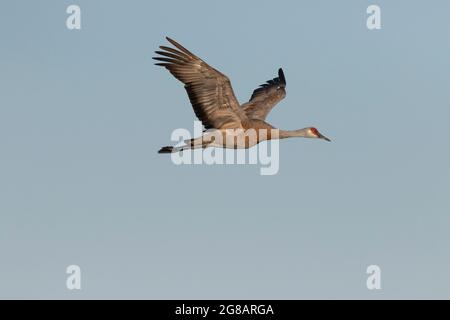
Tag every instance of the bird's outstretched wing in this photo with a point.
(266, 97)
(209, 90)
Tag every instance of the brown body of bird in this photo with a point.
(229, 124)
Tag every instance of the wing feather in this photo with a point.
(209, 91)
(266, 97)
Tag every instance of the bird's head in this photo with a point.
(314, 133)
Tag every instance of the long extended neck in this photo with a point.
(294, 133)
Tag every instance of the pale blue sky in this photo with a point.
(83, 113)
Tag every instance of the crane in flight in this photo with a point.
(216, 106)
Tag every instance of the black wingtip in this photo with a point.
(281, 76)
(173, 42)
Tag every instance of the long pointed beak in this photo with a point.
(321, 136)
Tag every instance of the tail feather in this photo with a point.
(189, 146)
(166, 150)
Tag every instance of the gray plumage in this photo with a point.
(215, 103)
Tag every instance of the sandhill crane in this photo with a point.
(216, 106)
